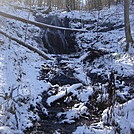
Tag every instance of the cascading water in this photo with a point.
(57, 41)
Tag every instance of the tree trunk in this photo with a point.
(127, 24)
(70, 5)
(42, 54)
(39, 3)
(73, 4)
(38, 24)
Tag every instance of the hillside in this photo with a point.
(87, 88)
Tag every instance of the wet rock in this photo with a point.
(94, 53)
(57, 41)
(58, 75)
(63, 79)
(95, 78)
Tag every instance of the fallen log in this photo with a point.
(38, 24)
(42, 54)
(92, 53)
(62, 94)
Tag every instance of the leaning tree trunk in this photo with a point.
(42, 54)
(127, 24)
(39, 24)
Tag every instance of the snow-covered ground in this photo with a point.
(21, 89)
(19, 71)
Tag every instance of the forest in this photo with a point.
(66, 66)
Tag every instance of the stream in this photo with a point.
(68, 70)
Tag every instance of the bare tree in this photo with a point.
(70, 5)
(127, 24)
(40, 3)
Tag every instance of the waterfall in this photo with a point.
(57, 41)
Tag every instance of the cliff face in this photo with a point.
(57, 41)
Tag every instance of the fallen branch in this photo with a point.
(41, 25)
(42, 54)
(83, 57)
(62, 94)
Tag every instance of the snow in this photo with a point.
(81, 76)
(7, 130)
(84, 95)
(89, 130)
(19, 71)
(83, 57)
(122, 115)
(75, 113)
(20, 86)
(63, 93)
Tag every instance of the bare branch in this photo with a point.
(41, 25)
(42, 54)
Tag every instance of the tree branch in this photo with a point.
(41, 25)
(42, 54)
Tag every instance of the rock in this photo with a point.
(57, 41)
(63, 79)
(95, 78)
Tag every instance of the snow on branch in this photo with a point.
(42, 54)
(38, 24)
(62, 93)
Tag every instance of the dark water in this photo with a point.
(57, 41)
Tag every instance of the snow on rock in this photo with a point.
(83, 56)
(81, 76)
(75, 113)
(90, 130)
(122, 117)
(121, 63)
(7, 130)
(85, 93)
(61, 94)
(19, 71)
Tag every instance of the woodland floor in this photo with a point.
(90, 91)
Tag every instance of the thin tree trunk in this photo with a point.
(39, 3)
(127, 24)
(68, 5)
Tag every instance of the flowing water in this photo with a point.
(57, 41)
